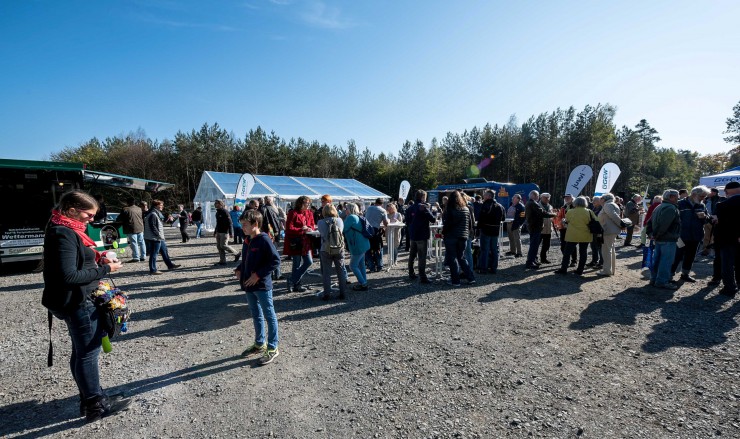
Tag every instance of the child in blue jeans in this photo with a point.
(259, 259)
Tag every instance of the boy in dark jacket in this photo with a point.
(255, 277)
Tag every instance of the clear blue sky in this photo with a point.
(379, 72)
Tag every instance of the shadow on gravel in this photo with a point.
(390, 291)
(191, 316)
(41, 419)
(541, 288)
(694, 321)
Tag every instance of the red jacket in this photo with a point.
(294, 229)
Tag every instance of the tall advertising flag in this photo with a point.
(578, 178)
(606, 178)
(403, 191)
(243, 188)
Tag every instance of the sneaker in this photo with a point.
(175, 266)
(299, 288)
(359, 287)
(269, 356)
(105, 407)
(141, 260)
(449, 282)
(687, 278)
(134, 260)
(255, 349)
(155, 273)
(471, 281)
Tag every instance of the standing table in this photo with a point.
(392, 230)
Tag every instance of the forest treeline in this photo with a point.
(543, 149)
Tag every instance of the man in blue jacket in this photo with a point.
(694, 215)
(418, 219)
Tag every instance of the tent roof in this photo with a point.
(721, 179)
(285, 187)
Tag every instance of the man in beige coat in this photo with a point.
(610, 220)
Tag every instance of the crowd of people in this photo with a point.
(674, 227)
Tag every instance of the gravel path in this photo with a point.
(519, 354)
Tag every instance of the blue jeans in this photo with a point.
(260, 305)
(199, 227)
(469, 251)
(138, 247)
(534, 243)
(488, 247)
(86, 335)
(154, 248)
(357, 265)
(663, 256)
(455, 258)
(301, 264)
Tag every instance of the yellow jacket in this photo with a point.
(578, 219)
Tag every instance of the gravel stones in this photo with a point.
(519, 354)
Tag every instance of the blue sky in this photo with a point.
(379, 72)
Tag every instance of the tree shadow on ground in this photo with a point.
(694, 321)
(34, 418)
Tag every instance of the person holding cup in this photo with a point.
(694, 216)
(72, 271)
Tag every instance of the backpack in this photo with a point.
(367, 230)
(335, 239)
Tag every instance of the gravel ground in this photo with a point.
(519, 354)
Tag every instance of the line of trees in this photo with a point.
(543, 150)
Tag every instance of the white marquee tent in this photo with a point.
(285, 189)
(721, 179)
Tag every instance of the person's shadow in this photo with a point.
(33, 418)
(694, 321)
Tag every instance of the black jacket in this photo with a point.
(728, 218)
(223, 222)
(490, 217)
(535, 215)
(70, 270)
(457, 223)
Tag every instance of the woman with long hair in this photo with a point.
(457, 224)
(297, 243)
(72, 270)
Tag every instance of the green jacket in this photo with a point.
(666, 222)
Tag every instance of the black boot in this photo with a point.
(105, 406)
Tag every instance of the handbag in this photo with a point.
(112, 306)
(594, 226)
(625, 222)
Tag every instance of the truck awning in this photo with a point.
(106, 179)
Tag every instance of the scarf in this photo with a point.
(79, 227)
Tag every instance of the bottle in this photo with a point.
(106, 344)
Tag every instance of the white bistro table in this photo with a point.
(435, 243)
(392, 230)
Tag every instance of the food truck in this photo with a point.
(476, 186)
(30, 189)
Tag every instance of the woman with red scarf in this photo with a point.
(72, 269)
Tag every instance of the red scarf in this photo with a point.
(79, 228)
